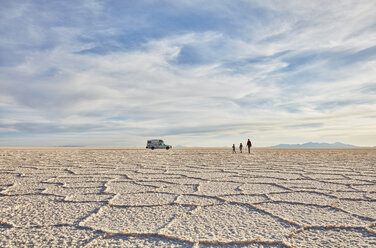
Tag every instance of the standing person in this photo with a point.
(241, 148)
(249, 144)
(233, 148)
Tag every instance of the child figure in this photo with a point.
(241, 148)
(233, 148)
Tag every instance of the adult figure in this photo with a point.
(233, 148)
(249, 145)
(241, 148)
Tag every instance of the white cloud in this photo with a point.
(235, 86)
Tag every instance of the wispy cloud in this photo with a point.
(116, 73)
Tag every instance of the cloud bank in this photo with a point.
(115, 73)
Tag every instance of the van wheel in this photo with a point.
(167, 148)
(152, 147)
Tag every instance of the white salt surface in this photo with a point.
(187, 198)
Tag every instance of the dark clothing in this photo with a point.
(249, 144)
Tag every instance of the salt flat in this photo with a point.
(187, 198)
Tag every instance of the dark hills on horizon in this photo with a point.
(316, 144)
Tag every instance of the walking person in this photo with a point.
(249, 144)
(233, 148)
(241, 148)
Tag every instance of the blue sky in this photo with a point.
(213, 73)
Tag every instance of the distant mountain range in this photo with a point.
(314, 144)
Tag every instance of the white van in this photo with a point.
(157, 144)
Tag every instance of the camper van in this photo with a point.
(157, 144)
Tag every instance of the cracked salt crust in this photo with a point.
(248, 179)
(156, 184)
(52, 236)
(350, 182)
(251, 245)
(145, 176)
(63, 191)
(196, 200)
(310, 215)
(95, 171)
(48, 213)
(8, 179)
(127, 187)
(139, 241)
(24, 188)
(371, 195)
(218, 188)
(142, 199)
(206, 175)
(88, 198)
(83, 184)
(141, 220)
(187, 198)
(334, 237)
(365, 176)
(178, 189)
(367, 187)
(304, 197)
(312, 184)
(78, 179)
(8, 203)
(355, 195)
(325, 176)
(184, 180)
(261, 188)
(244, 198)
(227, 223)
(274, 175)
(359, 207)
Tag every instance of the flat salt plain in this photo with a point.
(93, 197)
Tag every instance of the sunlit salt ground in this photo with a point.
(187, 198)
